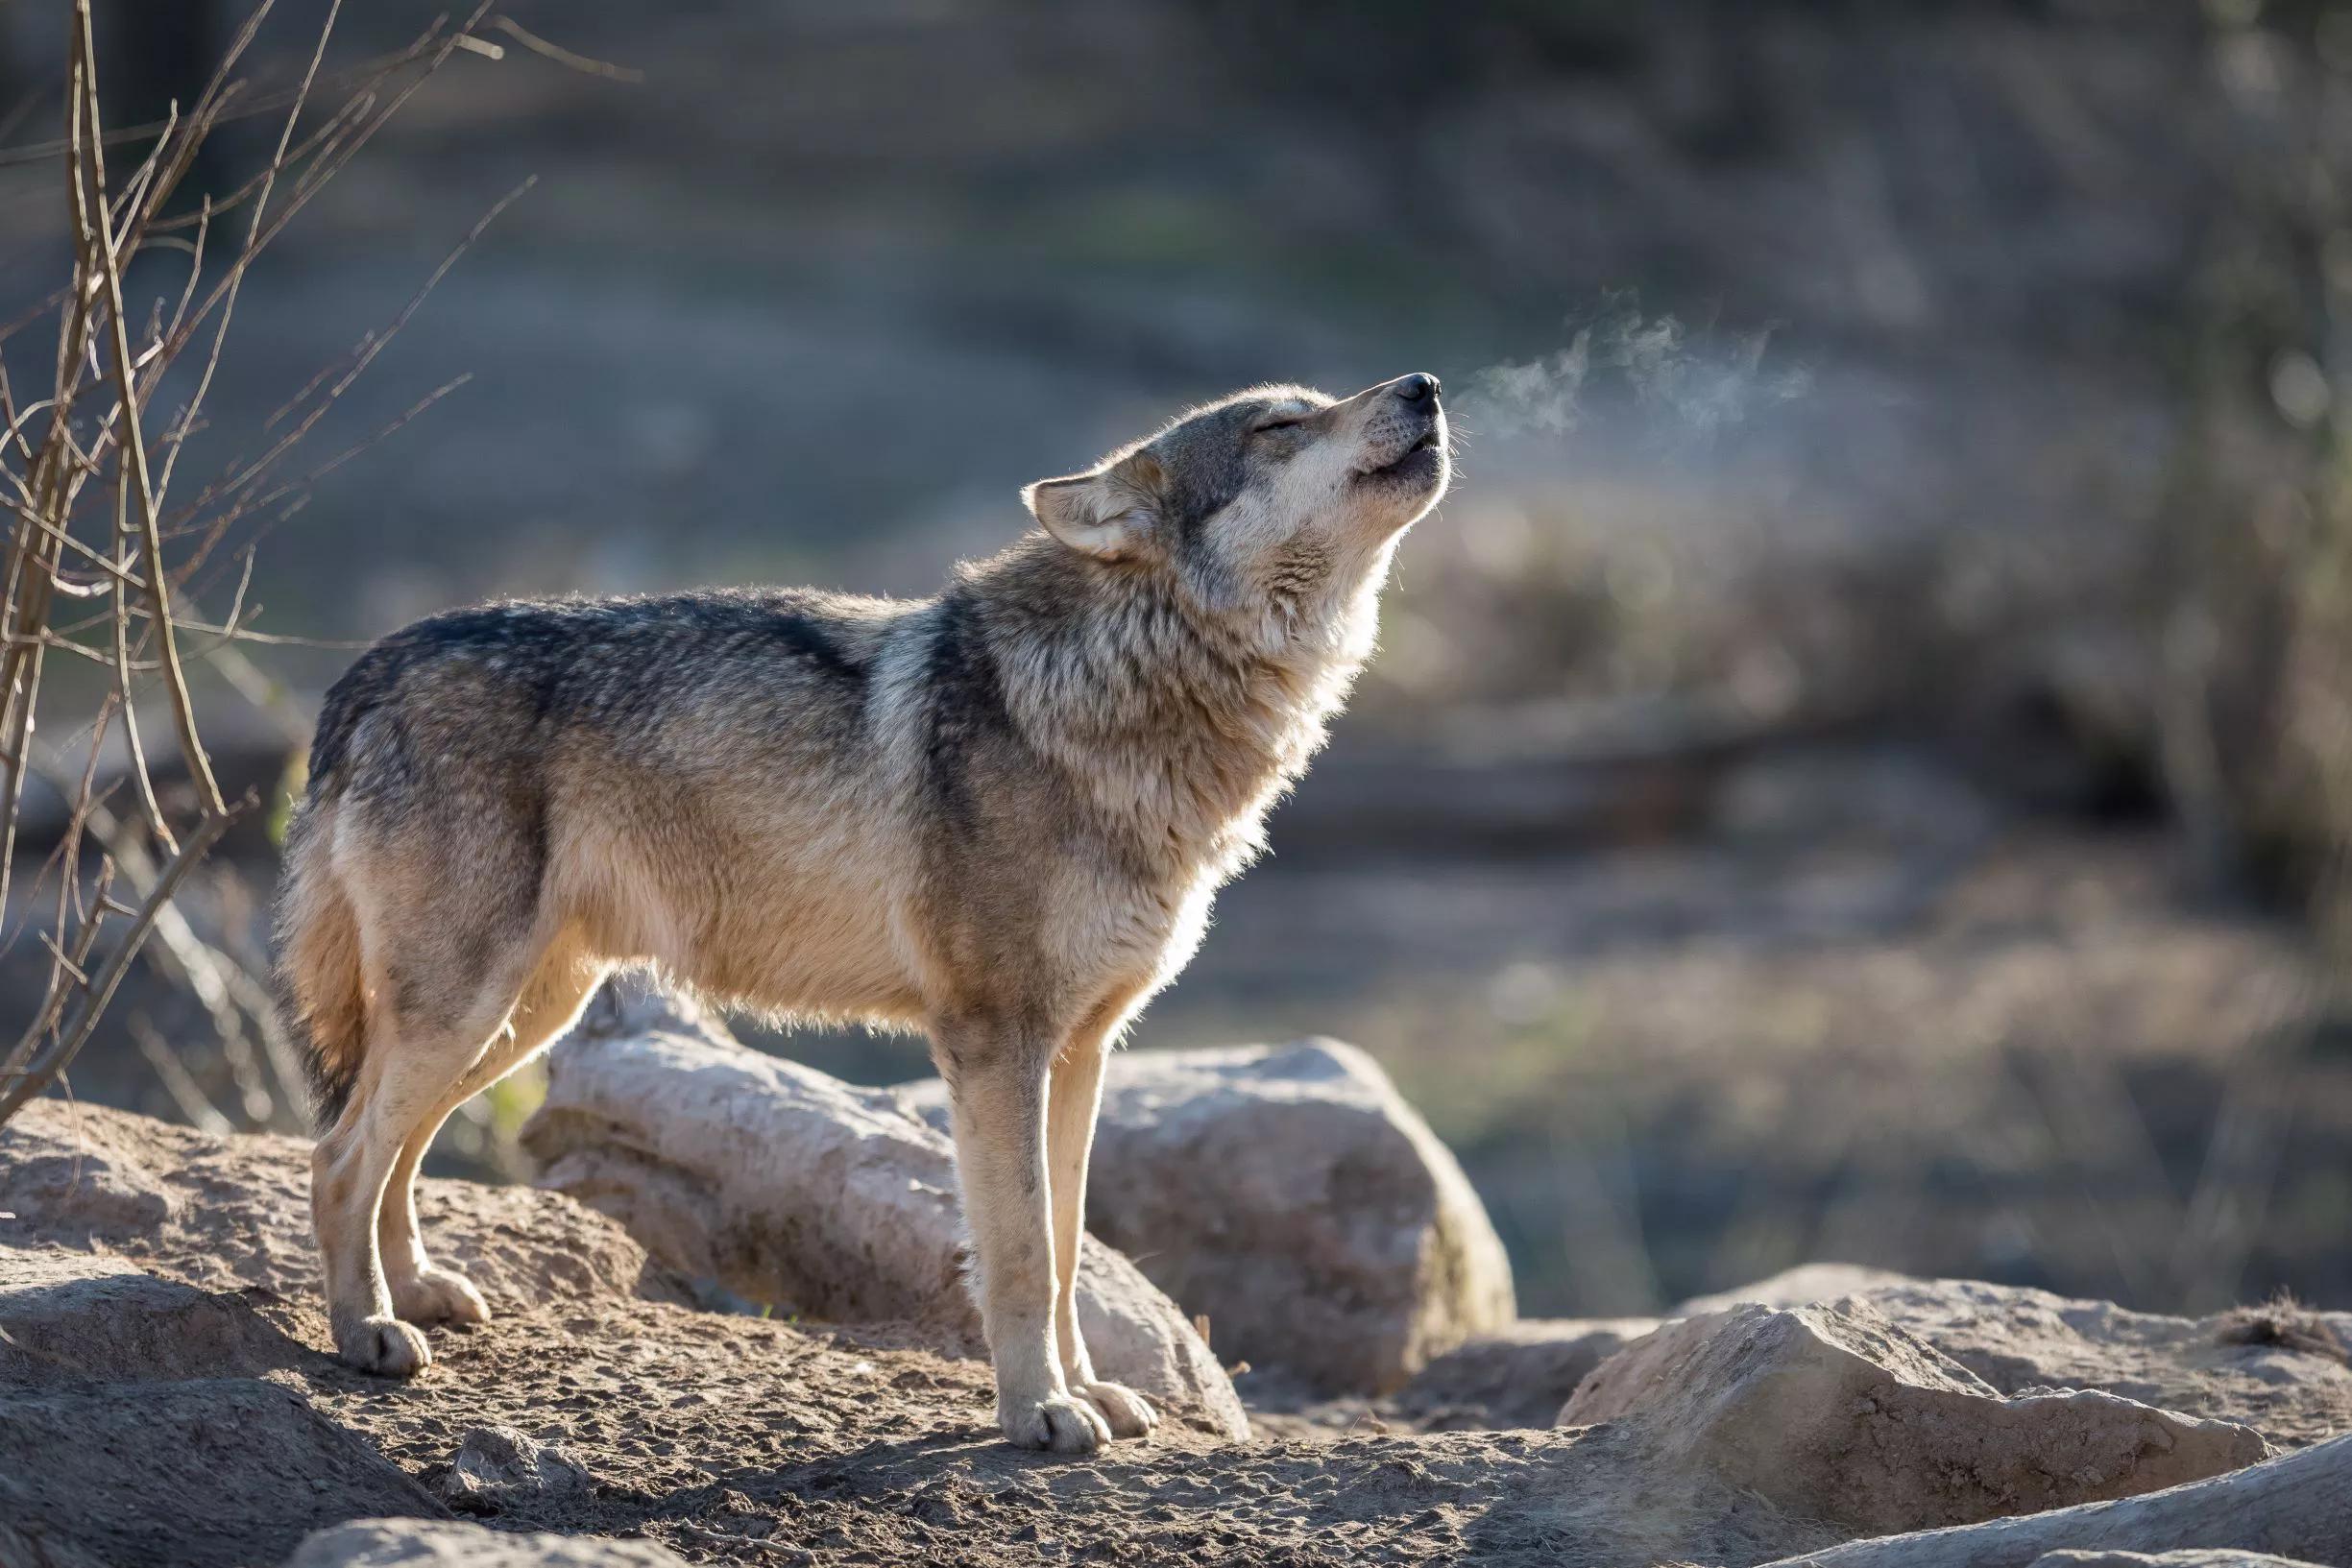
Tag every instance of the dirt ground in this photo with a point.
(168, 1397)
(742, 1440)
(727, 1437)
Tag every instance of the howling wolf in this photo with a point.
(997, 816)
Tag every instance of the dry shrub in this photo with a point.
(108, 567)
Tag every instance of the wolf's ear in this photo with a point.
(1105, 514)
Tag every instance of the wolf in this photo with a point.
(997, 816)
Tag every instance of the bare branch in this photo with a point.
(564, 57)
(51, 1060)
(133, 469)
(116, 580)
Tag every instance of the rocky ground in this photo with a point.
(166, 1395)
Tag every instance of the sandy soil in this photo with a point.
(740, 1439)
(166, 1397)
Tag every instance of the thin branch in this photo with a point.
(47, 1063)
(564, 57)
(133, 467)
(223, 295)
(294, 486)
(258, 469)
(135, 188)
(381, 66)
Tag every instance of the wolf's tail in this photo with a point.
(320, 1002)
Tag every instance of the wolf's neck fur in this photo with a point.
(1182, 723)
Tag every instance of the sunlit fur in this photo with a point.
(997, 815)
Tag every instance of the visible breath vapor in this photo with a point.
(1701, 385)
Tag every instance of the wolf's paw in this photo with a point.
(434, 1295)
(386, 1346)
(1057, 1423)
(1127, 1412)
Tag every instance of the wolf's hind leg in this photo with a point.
(406, 1075)
(424, 1292)
(996, 1078)
(1074, 1097)
(438, 989)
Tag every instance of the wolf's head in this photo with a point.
(1277, 498)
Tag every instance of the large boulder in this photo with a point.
(1288, 1194)
(798, 1191)
(1836, 1412)
(200, 1474)
(410, 1543)
(2299, 1506)
(2279, 1369)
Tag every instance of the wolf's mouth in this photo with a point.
(1413, 459)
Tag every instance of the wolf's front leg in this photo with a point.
(1077, 1094)
(997, 1078)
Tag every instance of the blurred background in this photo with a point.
(1857, 768)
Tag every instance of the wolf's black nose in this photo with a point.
(1416, 389)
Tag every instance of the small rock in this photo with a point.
(496, 1467)
(409, 1543)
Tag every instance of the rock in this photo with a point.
(2191, 1558)
(71, 1316)
(2299, 1506)
(794, 1189)
(496, 1467)
(188, 1475)
(1290, 1195)
(1836, 1412)
(1518, 1376)
(406, 1543)
(235, 1212)
(2280, 1370)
